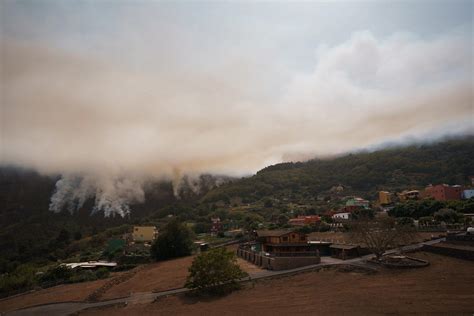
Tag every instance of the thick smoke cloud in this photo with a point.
(113, 194)
(107, 127)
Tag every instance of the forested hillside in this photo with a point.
(363, 173)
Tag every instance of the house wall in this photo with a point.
(144, 233)
(385, 197)
(277, 263)
(288, 238)
(444, 192)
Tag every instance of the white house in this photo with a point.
(341, 216)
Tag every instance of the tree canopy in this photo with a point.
(215, 272)
(175, 240)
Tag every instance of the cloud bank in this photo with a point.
(114, 126)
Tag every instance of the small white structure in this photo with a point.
(341, 216)
(467, 194)
(91, 264)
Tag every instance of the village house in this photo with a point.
(443, 192)
(144, 233)
(279, 250)
(409, 195)
(283, 242)
(342, 216)
(385, 198)
(356, 203)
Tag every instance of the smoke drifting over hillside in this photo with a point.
(113, 194)
(116, 126)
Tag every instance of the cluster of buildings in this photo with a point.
(440, 192)
(351, 205)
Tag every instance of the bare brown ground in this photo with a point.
(60, 293)
(158, 276)
(340, 237)
(445, 287)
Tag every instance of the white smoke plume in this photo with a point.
(113, 195)
(105, 125)
(197, 183)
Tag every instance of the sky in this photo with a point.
(105, 89)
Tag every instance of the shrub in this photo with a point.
(215, 272)
(405, 221)
(448, 216)
(58, 274)
(102, 273)
(124, 267)
(21, 279)
(324, 227)
(81, 276)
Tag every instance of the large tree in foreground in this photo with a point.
(175, 240)
(215, 272)
(382, 234)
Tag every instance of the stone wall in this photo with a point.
(277, 263)
(452, 252)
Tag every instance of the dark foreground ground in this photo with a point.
(445, 287)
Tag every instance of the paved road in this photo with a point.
(56, 309)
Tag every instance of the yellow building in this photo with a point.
(144, 233)
(385, 197)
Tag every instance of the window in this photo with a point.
(285, 238)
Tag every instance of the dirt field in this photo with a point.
(445, 287)
(339, 237)
(152, 277)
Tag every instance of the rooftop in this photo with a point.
(346, 247)
(273, 233)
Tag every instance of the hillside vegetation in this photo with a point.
(363, 173)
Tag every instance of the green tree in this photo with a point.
(215, 272)
(64, 237)
(268, 203)
(448, 216)
(363, 213)
(282, 219)
(176, 240)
